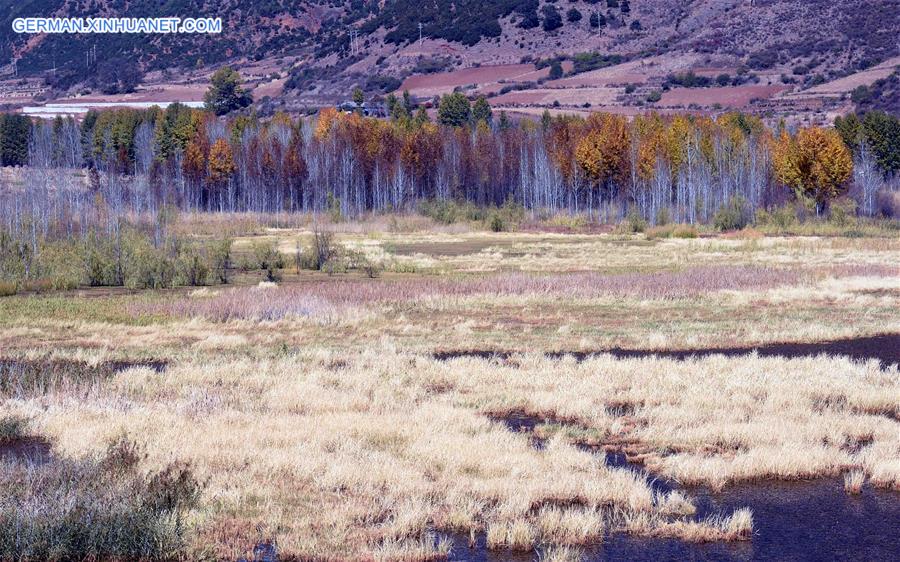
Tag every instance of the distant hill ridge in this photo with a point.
(372, 37)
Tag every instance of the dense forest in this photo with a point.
(79, 180)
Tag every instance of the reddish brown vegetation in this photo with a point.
(326, 297)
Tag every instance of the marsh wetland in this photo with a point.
(479, 396)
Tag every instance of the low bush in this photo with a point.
(95, 509)
(127, 258)
(505, 218)
(220, 260)
(734, 215)
(447, 211)
(150, 268)
(782, 218)
(662, 216)
(634, 223)
(358, 261)
(269, 259)
(324, 254)
(60, 263)
(888, 204)
(324, 248)
(842, 212)
(193, 269)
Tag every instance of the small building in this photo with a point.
(367, 108)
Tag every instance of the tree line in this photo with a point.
(102, 193)
(681, 168)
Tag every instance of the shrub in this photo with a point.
(585, 62)
(505, 218)
(634, 222)
(95, 509)
(192, 267)
(60, 263)
(150, 268)
(888, 204)
(571, 222)
(300, 258)
(99, 267)
(324, 248)
(321, 255)
(334, 208)
(662, 216)
(672, 231)
(383, 84)
(358, 261)
(734, 215)
(449, 212)
(496, 222)
(658, 232)
(220, 260)
(688, 80)
(842, 212)
(654, 96)
(269, 259)
(556, 71)
(782, 218)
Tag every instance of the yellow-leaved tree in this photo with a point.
(815, 163)
(603, 152)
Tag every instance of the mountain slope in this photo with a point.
(314, 46)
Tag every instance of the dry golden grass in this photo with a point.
(363, 455)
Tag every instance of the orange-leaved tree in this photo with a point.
(221, 162)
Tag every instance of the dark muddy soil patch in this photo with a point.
(263, 552)
(519, 422)
(29, 449)
(879, 292)
(23, 378)
(885, 348)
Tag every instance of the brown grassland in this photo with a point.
(315, 412)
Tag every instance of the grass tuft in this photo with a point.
(853, 481)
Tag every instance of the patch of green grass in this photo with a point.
(111, 308)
